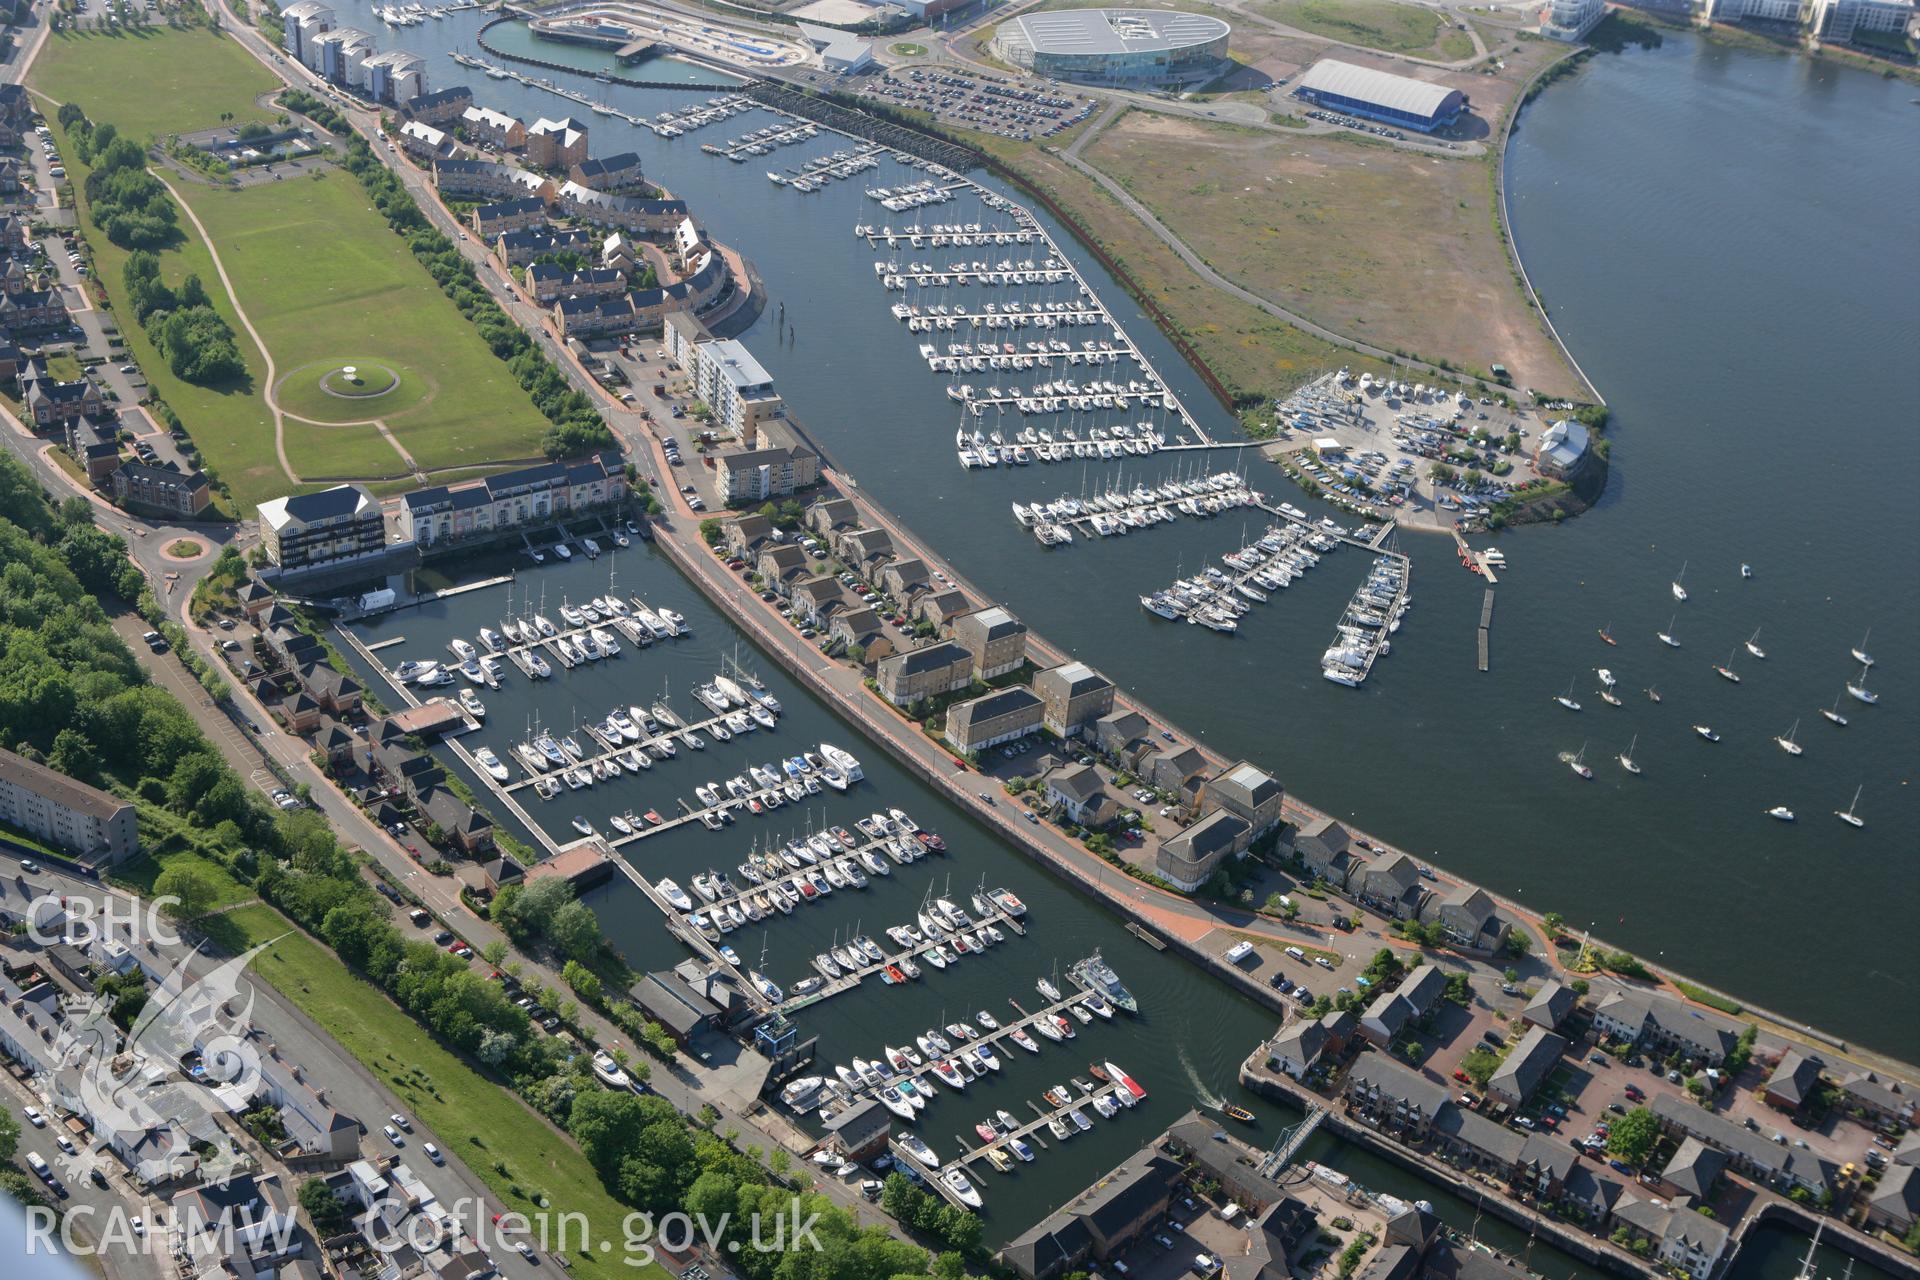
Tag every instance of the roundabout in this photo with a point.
(350, 390)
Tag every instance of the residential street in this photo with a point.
(348, 1085)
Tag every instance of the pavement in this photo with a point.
(349, 1086)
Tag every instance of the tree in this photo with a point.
(328, 1214)
(1511, 975)
(1633, 1135)
(583, 980)
(1479, 1065)
(194, 889)
(1580, 986)
(1519, 943)
(575, 930)
(1554, 923)
(9, 1135)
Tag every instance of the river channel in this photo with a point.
(1737, 322)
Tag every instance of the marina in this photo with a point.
(1598, 563)
(760, 142)
(1120, 510)
(1216, 598)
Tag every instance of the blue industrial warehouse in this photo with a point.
(1380, 95)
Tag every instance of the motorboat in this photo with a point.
(963, 1190)
(1121, 1078)
(1706, 732)
(1020, 1037)
(799, 1094)
(1780, 813)
(485, 758)
(676, 896)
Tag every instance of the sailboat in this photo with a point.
(1577, 762)
(1626, 757)
(1666, 637)
(1833, 712)
(1753, 644)
(1606, 634)
(1849, 817)
(1680, 592)
(1860, 692)
(1726, 669)
(1566, 699)
(1787, 744)
(1860, 654)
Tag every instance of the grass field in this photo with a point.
(155, 82)
(1391, 247)
(344, 453)
(1254, 354)
(302, 393)
(327, 284)
(140, 874)
(231, 426)
(1375, 24)
(515, 1152)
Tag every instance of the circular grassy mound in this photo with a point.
(349, 390)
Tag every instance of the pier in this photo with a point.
(1030, 1131)
(954, 237)
(1486, 625)
(1141, 508)
(406, 695)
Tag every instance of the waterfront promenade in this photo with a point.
(678, 532)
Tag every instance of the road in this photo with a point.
(350, 1087)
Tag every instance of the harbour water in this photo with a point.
(1667, 277)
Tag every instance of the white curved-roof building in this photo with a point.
(1381, 95)
(1114, 46)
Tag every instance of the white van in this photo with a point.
(1296, 953)
(38, 1165)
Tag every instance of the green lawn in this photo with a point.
(1376, 24)
(63, 366)
(230, 425)
(344, 453)
(140, 874)
(153, 82)
(517, 1153)
(327, 284)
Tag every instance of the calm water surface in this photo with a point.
(1724, 280)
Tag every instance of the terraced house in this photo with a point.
(511, 500)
